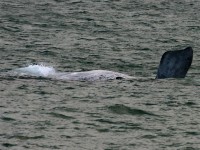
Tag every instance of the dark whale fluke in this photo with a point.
(175, 64)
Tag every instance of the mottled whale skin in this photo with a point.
(92, 75)
(175, 64)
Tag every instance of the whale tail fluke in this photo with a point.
(175, 64)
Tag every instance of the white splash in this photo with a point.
(36, 70)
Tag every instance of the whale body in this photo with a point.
(175, 64)
(92, 75)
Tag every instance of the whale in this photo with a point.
(173, 64)
(93, 75)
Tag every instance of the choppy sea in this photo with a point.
(79, 35)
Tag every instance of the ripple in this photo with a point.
(148, 136)
(67, 109)
(194, 133)
(58, 115)
(8, 145)
(7, 119)
(119, 125)
(22, 137)
(190, 104)
(121, 109)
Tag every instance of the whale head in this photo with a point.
(175, 64)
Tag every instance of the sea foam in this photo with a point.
(36, 70)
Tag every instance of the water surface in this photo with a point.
(119, 35)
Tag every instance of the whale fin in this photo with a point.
(175, 64)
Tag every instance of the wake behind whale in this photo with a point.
(173, 64)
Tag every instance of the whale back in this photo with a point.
(175, 64)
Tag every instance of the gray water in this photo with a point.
(118, 35)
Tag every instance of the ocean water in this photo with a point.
(117, 35)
